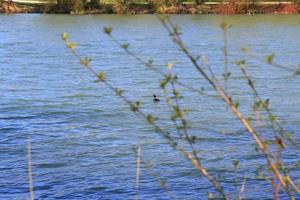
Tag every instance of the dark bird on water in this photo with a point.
(155, 98)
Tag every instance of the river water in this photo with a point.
(84, 137)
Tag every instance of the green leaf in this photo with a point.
(118, 92)
(272, 118)
(267, 101)
(85, 61)
(169, 100)
(158, 130)
(175, 78)
(298, 164)
(135, 106)
(107, 30)
(270, 58)
(235, 163)
(176, 30)
(163, 84)
(249, 118)
(224, 25)
(176, 94)
(170, 66)
(236, 104)
(265, 176)
(210, 195)
(151, 119)
(150, 62)
(259, 105)
(297, 72)
(177, 113)
(193, 139)
(125, 46)
(163, 18)
(165, 81)
(148, 164)
(250, 83)
(71, 45)
(226, 75)
(245, 49)
(64, 36)
(240, 62)
(101, 76)
(258, 171)
(163, 183)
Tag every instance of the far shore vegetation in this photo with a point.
(151, 6)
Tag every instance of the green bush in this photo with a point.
(95, 3)
(92, 4)
(77, 6)
(122, 6)
(70, 5)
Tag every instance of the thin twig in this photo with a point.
(274, 64)
(183, 120)
(226, 74)
(275, 122)
(166, 22)
(242, 191)
(137, 180)
(30, 179)
(164, 133)
(149, 64)
(157, 177)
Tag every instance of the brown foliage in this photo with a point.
(227, 8)
(122, 6)
(280, 9)
(10, 7)
(172, 9)
(288, 9)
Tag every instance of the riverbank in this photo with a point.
(231, 7)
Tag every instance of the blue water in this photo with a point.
(84, 137)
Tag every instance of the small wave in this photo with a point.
(18, 117)
(79, 95)
(50, 165)
(97, 188)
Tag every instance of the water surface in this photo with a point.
(83, 137)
